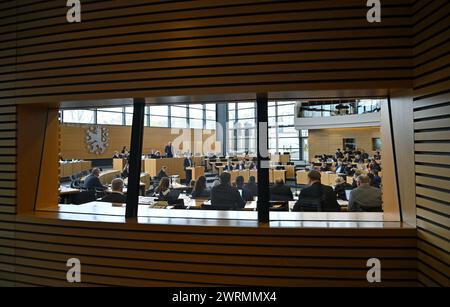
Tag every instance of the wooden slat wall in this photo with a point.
(432, 139)
(8, 130)
(149, 48)
(155, 255)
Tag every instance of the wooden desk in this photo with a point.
(71, 168)
(197, 171)
(175, 166)
(290, 171)
(280, 158)
(119, 164)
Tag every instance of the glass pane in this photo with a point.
(245, 123)
(111, 109)
(129, 119)
(196, 123)
(243, 105)
(79, 116)
(211, 115)
(211, 107)
(159, 121)
(131, 109)
(272, 143)
(286, 110)
(287, 132)
(272, 132)
(109, 118)
(232, 115)
(196, 106)
(271, 111)
(210, 125)
(178, 111)
(246, 113)
(159, 110)
(195, 113)
(285, 120)
(177, 122)
(272, 121)
(285, 144)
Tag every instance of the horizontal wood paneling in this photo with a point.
(432, 138)
(147, 48)
(149, 255)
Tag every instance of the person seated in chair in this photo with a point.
(374, 166)
(116, 195)
(92, 182)
(191, 187)
(200, 190)
(318, 192)
(324, 167)
(224, 196)
(377, 156)
(365, 197)
(246, 194)
(241, 166)
(228, 167)
(340, 187)
(252, 186)
(280, 191)
(162, 173)
(375, 180)
(341, 168)
(162, 191)
(339, 154)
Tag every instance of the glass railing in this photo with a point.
(337, 108)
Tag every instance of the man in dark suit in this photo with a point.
(162, 173)
(188, 162)
(168, 150)
(116, 195)
(319, 192)
(245, 194)
(252, 186)
(92, 183)
(280, 192)
(224, 196)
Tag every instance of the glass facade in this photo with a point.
(283, 137)
(198, 116)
